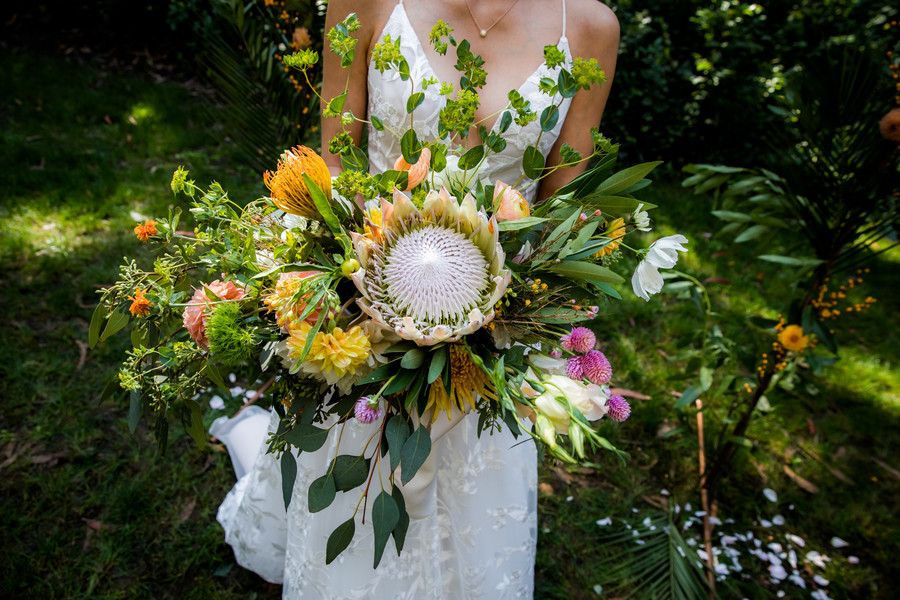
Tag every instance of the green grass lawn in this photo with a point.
(88, 511)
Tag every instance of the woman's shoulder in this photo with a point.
(591, 24)
(370, 12)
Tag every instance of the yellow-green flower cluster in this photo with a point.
(302, 60)
(587, 72)
(441, 30)
(387, 54)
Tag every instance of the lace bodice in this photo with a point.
(388, 95)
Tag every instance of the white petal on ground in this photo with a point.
(604, 522)
(777, 572)
(837, 542)
(765, 523)
(216, 403)
(598, 589)
(817, 559)
(796, 540)
(778, 520)
(820, 580)
(663, 492)
(853, 560)
(232, 377)
(770, 495)
(797, 580)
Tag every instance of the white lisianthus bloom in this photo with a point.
(452, 177)
(663, 254)
(641, 219)
(589, 399)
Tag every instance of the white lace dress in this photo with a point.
(477, 530)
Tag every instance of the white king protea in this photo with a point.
(430, 275)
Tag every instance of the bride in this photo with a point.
(473, 505)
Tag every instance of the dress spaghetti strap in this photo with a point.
(564, 19)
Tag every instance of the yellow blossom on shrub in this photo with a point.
(614, 231)
(792, 338)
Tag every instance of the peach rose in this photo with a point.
(890, 125)
(418, 171)
(509, 204)
(199, 308)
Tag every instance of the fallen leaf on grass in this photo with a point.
(82, 349)
(662, 353)
(804, 483)
(718, 280)
(545, 488)
(188, 509)
(629, 393)
(656, 501)
(97, 525)
(893, 472)
(48, 459)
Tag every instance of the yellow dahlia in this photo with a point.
(466, 381)
(431, 275)
(614, 231)
(792, 338)
(289, 191)
(338, 353)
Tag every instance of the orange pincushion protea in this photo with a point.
(289, 191)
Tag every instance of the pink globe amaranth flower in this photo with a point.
(596, 367)
(197, 311)
(575, 368)
(366, 410)
(617, 408)
(555, 353)
(580, 339)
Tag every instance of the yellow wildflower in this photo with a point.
(614, 231)
(792, 338)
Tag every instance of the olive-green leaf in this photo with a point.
(323, 205)
(385, 516)
(134, 410)
(438, 360)
(396, 432)
(117, 320)
(586, 271)
(307, 438)
(97, 319)
(413, 359)
(532, 162)
(349, 471)
(196, 428)
(339, 539)
(549, 118)
(626, 178)
(402, 526)
(688, 396)
(321, 493)
(415, 450)
(288, 476)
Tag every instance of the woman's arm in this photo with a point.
(372, 16)
(593, 33)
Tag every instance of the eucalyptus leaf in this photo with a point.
(349, 471)
(396, 431)
(307, 438)
(321, 493)
(415, 450)
(117, 321)
(399, 532)
(438, 360)
(385, 515)
(339, 539)
(195, 427)
(413, 359)
(626, 178)
(532, 162)
(587, 271)
(288, 477)
(97, 319)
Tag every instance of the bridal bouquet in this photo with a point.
(395, 298)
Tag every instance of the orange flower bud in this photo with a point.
(418, 171)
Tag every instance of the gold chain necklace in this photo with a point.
(482, 31)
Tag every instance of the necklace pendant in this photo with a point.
(483, 33)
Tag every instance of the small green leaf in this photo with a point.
(413, 359)
(415, 450)
(339, 539)
(382, 373)
(134, 410)
(549, 118)
(790, 260)
(399, 532)
(377, 123)
(732, 216)
(385, 516)
(740, 441)
(438, 360)
(587, 271)
(751, 233)
(117, 320)
(688, 396)
(396, 431)
(706, 375)
(612, 205)
(139, 337)
(355, 160)
(410, 147)
(336, 105)
(414, 101)
(307, 438)
(505, 121)
(321, 493)
(471, 158)
(212, 373)
(97, 320)
(400, 382)
(523, 223)
(288, 476)
(568, 85)
(532, 162)
(626, 178)
(349, 471)
(195, 426)
(323, 205)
